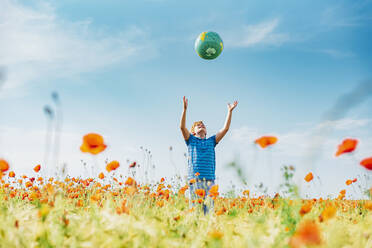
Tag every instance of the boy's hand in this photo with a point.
(231, 107)
(185, 103)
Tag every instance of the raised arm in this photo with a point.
(185, 132)
(223, 131)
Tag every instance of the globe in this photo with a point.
(208, 45)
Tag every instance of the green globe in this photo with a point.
(208, 45)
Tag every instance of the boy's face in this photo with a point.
(200, 128)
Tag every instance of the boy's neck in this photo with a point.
(202, 136)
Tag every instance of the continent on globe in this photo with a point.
(208, 45)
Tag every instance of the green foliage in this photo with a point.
(289, 188)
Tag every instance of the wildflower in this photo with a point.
(4, 166)
(112, 166)
(309, 177)
(160, 203)
(348, 182)
(37, 168)
(307, 234)
(162, 179)
(367, 163)
(44, 211)
(11, 174)
(200, 192)
(328, 213)
(265, 141)
(213, 192)
(182, 190)
(246, 192)
(132, 165)
(347, 145)
(197, 174)
(93, 143)
(101, 176)
(368, 205)
(192, 181)
(130, 181)
(215, 234)
(306, 208)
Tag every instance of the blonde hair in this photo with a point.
(192, 130)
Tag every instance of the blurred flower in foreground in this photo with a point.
(367, 163)
(307, 234)
(309, 177)
(112, 166)
(93, 143)
(265, 141)
(328, 213)
(347, 145)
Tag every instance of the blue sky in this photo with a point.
(122, 67)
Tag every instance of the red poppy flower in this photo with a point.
(4, 166)
(347, 145)
(132, 165)
(367, 163)
(37, 168)
(200, 192)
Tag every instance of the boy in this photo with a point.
(201, 159)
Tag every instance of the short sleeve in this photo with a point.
(190, 140)
(213, 139)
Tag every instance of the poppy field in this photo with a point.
(112, 210)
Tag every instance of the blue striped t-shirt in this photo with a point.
(201, 157)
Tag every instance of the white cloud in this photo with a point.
(36, 44)
(311, 148)
(261, 33)
(337, 53)
(345, 124)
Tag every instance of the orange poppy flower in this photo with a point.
(193, 180)
(112, 166)
(307, 234)
(93, 143)
(306, 208)
(11, 174)
(348, 182)
(4, 166)
(200, 192)
(367, 163)
(28, 184)
(265, 141)
(246, 192)
(309, 177)
(328, 213)
(354, 180)
(130, 181)
(37, 168)
(197, 174)
(347, 145)
(101, 175)
(213, 192)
